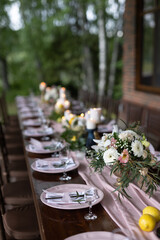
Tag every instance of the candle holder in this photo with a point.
(90, 138)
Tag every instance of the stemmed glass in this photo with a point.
(65, 159)
(90, 197)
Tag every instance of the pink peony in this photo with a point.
(124, 157)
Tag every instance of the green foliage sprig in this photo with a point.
(76, 139)
(56, 116)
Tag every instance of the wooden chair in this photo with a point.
(8, 120)
(19, 223)
(15, 193)
(11, 169)
(13, 149)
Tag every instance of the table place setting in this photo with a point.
(44, 147)
(26, 110)
(28, 115)
(54, 165)
(71, 196)
(32, 122)
(38, 132)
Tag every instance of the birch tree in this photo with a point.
(102, 50)
(118, 28)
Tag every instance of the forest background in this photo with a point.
(72, 43)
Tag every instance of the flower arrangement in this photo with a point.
(74, 132)
(128, 154)
(51, 94)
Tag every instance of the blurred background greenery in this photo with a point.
(59, 41)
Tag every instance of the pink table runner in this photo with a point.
(126, 213)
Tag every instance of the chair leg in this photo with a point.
(2, 231)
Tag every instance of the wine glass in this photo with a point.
(65, 159)
(90, 196)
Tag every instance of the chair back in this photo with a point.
(4, 153)
(3, 109)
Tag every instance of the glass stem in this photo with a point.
(64, 174)
(90, 207)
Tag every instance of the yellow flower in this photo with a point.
(145, 143)
(73, 139)
(71, 120)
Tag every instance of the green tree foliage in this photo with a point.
(50, 44)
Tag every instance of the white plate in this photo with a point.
(33, 149)
(99, 235)
(53, 170)
(31, 123)
(70, 188)
(29, 115)
(38, 132)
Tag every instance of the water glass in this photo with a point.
(90, 197)
(65, 158)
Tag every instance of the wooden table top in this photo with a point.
(59, 224)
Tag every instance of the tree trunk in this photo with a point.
(88, 76)
(102, 54)
(112, 75)
(4, 73)
(88, 70)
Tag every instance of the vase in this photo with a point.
(90, 138)
(139, 183)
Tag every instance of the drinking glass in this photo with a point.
(65, 159)
(90, 197)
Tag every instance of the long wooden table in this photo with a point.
(58, 224)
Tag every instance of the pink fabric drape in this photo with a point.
(126, 213)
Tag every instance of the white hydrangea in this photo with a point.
(110, 156)
(137, 148)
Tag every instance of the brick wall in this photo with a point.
(129, 68)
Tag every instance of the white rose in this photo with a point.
(128, 134)
(110, 156)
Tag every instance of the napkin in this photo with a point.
(36, 143)
(60, 165)
(31, 122)
(70, 197)
(42, 164)
(64, 198)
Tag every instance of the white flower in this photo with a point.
(145, 154)
(95, 147)
(128, 134)
(137, 148)
(144, 171)
(103, 143)
(47, 97)
(115, 129)
(110, 156)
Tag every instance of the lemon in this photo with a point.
(147, 222)
(152, 211)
